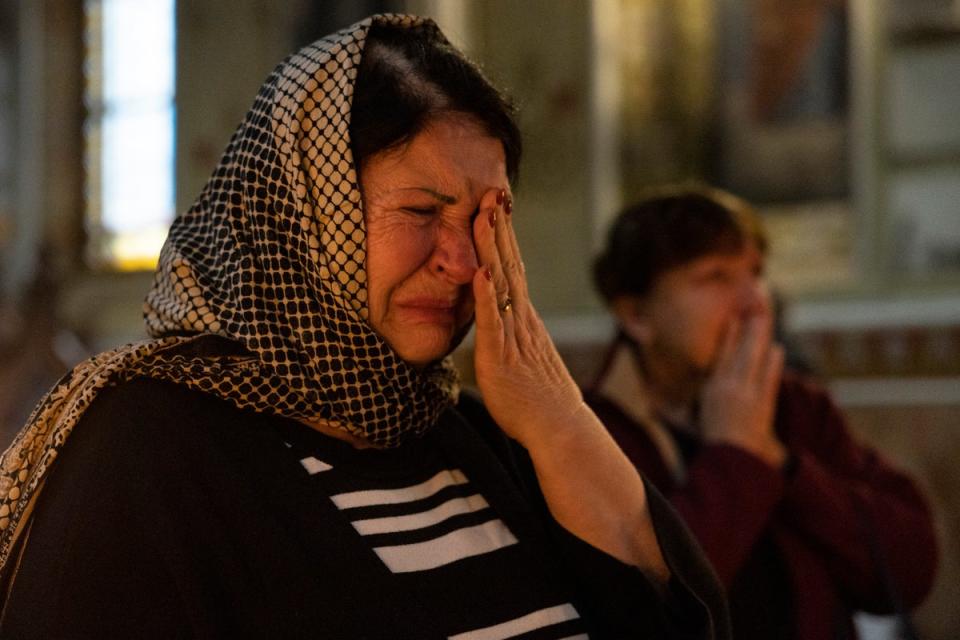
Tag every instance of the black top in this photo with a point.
(172, 514)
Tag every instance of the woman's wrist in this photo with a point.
(559, 428)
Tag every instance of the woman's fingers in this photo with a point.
(522, 318)
(754, 347)
(497, 246)
(491, 285)
(489, 323)
(485, 239)
(509, 251)
(728, 346)
(773, 371)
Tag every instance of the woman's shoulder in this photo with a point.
(140, 392)
(160, 426)
(141, 406)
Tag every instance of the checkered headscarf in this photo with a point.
(270, 257)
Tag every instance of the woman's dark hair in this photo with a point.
(669, 230)
(408, 77)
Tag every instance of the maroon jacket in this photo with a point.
(816, 515)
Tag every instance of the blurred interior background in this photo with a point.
(839, 119)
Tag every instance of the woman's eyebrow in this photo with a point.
(442, 197)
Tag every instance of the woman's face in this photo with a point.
(420, 201)
(690, 307)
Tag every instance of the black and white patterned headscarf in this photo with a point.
(271, 256)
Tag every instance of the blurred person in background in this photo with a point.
(803, 524)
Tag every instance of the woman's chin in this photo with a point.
(424, 345)
(419, 342)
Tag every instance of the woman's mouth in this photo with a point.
(430, 310)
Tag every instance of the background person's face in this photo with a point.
(420, 201)
(690, 307)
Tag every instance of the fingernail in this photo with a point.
(508, 207)
(487, 274)
(493, 217)
(500, 196)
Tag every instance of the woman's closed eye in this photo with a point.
(421, 211)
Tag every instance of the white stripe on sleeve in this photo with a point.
(524, 624)
(438, 514)
(456, 545)
(426, 489)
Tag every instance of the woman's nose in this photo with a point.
(455, 256)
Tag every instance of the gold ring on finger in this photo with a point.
(506, 305)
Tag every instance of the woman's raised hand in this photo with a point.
(589, 485)
(524, 383)
(738, 400)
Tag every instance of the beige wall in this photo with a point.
(225, 50)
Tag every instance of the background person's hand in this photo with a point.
(738, 401)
